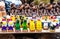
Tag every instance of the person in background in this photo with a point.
(27, 1)
(20, 8)
(8, 4)
(27, 7)
(13, 9)
(7, 7)
(2, 9)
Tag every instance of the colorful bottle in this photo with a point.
(18, 17)
(52, 28)
(21, 18)
(17, 25)
(32, 26)
(13, 18)
(38, 25)
(10, 25)
(24, 25)
(53, 17)
(4, 25)
(46, 25)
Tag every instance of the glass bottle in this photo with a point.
(38, 25)
(17, 25)
(52, 28)
(10, 25)
(24, 24)
(4, 25)
(32, 26)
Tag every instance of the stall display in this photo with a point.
(27, 24)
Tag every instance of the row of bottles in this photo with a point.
(18, 22)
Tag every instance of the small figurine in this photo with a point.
(17, 25)
(32, 25)
(53, 17)
(46, 25)
(10, 25)
(13, 18)
(38, 25)
(4, 25)
(18, 17)
(24, 25)
(56, 23)
(52, 28)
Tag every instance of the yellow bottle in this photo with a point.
(13, 18)
(38, 25)
(32, 25)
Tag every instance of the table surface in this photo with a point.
(21, 31)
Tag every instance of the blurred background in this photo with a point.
(29, 7)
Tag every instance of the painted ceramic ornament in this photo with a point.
(38, 25)
(18, 17)
(53, 17)
(48, 17)
(17, 25)
(13, 18)
(21, 18)
(56, 21)
(4, 25)
(10, 25)
(46, 25)
(32, 25)
(24, 25)
(52, 28)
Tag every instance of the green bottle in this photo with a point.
(24, 25)
(17, 25)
